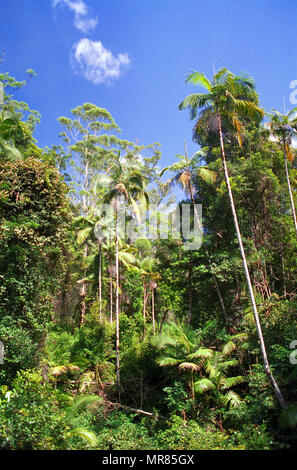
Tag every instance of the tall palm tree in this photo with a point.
(227, 101)
(126, 181)
(284, 127)
(185, 171)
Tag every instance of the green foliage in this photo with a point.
(33, 237)
(182, 435)
(192, 365)
(30, 418)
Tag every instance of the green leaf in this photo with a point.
(203, 385)
(83, 235)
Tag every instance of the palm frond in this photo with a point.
(233, 382)
(88, 436)
(198, 78)
(168, 361)
(188, 366)
(203, 385)
(232, 399)
(83, 234)
(206, 175)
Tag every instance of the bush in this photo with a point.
(29, 415)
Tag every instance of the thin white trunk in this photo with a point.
(247, 276)
(100, 281)
(117, 312)
(153, 310)
(289, 188)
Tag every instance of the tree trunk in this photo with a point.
(100, 281)
(153, 310)
(289, 188)
(284, 274)
(110, 293)
(247, 275)
(83, 293)
(190, 292)
(117, 312)
(144, 307)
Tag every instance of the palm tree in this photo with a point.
(126, 183)
(227, 101)
(217, 367)
(180, 347)
(284, 127)
(185, 171)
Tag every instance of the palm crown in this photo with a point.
(284, 127)
(186, 169)
(228, 98)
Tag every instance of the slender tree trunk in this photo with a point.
(83, 293)
(117, 311)
(110, 294)
(153, 310)
(190, 292)
(247, 275)
(289, 188)
(144, 307)
(284, 274)
(100, 281)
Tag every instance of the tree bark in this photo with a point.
(100, 281)
(110, 294)
(153, 310)
(83, 293)
(117, 312)
(247, 275)
(190, 292)
(144, 307)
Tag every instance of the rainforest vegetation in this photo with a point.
(146, 341)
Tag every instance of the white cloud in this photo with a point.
(98, 64)
(82, 19)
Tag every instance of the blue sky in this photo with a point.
(131, 57)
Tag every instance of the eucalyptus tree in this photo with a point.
(284, 128)
(229, 100)
(184, 173)
(90, 143)
(18, 110)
